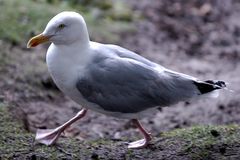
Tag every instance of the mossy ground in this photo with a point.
(203, 142)
(198, 142)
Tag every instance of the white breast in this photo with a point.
(66, 68)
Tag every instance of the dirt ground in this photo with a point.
(199, 38)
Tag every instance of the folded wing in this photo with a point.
(126, 85)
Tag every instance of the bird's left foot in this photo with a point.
(47, 136)
(50, 136)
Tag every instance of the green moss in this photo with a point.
(103, 4)
(204, 134)
(11, 138)
(198, 141)
(4, 59)
(21, 19)
(17, 143)
(121, 12)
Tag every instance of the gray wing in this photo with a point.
(128, 86)
(124, 53)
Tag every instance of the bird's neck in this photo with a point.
(78, 52)
(80, 44)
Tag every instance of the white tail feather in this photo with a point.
(213, 94)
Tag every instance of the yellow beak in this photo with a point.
(33, 42)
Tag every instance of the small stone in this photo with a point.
(94, 156)
(222, 150)
(33, 157)
(221, 107)
(215, 133)
(1, 98)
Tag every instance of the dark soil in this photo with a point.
(199, 38)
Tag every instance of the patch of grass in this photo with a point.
(204, 135)
(16, 143)
(10, 137)
(21, 19)
(4, 59)
(199, 141)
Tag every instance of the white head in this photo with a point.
(64, 29)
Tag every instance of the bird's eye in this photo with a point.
(61, 26)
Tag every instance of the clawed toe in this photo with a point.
(138, 144)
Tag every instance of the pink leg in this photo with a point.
(50, 136)
(143, 142)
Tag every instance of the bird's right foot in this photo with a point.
(138, 144)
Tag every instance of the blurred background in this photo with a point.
(197, 37)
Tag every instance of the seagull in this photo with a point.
(109, 79)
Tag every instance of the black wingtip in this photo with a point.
(220, 84)
(209, 85)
